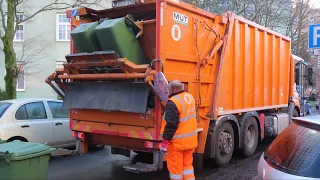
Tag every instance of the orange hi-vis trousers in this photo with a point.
(180, 164)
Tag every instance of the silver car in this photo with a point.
(295, 153)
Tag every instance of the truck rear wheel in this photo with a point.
(250, 136)
(225, 144)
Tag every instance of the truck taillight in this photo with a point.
(79, 135)
(152, 145)
(74, 134)
(148, 145)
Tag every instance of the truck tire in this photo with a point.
(225, 144)
(250, 137)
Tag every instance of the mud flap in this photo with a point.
(110, 96)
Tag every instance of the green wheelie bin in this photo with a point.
(2, 141)
(24, 161)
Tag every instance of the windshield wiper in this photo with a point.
(275, 162)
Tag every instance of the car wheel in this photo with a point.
(225, 144)
(250, 137)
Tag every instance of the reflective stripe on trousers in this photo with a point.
(188, 174)
(176, 176)
(188, 171)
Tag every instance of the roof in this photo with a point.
(310, 119)
(28, 99)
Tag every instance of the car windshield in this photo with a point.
(3, 107)
(296, 150)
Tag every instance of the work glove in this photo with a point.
(163, 146)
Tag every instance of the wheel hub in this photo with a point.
(250, 136)
(225, 143)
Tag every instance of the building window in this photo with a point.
(19, 35)
(63, 28)
(21, 78)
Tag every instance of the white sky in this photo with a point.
(316, 2)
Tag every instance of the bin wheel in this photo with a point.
(250, 137)
(225, 144)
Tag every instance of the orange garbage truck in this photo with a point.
(241, 75)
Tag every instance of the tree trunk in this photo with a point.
(10, 55)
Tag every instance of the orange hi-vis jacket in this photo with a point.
(185, 136)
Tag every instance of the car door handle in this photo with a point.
(58, 124)
(25, 126)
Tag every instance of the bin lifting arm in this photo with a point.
(56, 84)
(148, 80)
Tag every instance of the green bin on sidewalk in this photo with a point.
(24, 160)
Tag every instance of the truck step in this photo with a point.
(140, 168)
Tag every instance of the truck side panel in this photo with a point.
(251, 74)
(255, 72)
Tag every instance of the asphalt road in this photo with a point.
(102, 165)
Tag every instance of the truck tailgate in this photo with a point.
(111, 96)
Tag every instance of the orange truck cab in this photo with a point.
(241, 75)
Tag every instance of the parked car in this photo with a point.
(36, 120)
(295, 153)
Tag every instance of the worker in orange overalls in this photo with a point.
(179, 132)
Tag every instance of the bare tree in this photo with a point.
(33, 52)
(9, 10)
(298, 30)
(274, 14)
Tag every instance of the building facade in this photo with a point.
(41, 44)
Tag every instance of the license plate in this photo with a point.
(122, 3)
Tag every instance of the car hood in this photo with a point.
(266, 172)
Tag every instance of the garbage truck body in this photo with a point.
(241, 75)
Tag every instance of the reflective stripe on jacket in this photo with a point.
(185, 136)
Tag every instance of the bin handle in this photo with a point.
(134, 25)
(157, 60)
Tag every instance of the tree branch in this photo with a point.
(3, 17)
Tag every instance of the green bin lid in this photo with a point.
(2, 141)
(17, 150)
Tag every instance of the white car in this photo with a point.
(36, 120)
